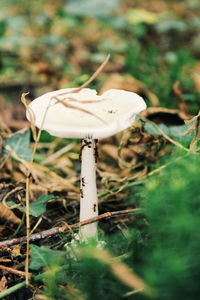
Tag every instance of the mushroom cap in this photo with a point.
(90, 115)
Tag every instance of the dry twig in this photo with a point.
(53, 231)
(85, 84)
(13, 271)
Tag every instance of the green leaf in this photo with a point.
(38, 207)
(43, 256)
(10, 203)
(151, 129)
(172, 131)
(94, 8)
(20, 143)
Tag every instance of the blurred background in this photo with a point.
(154, 47)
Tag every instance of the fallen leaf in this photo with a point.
(129, 83)
(110, 150)
(8, 214)
(137, 16)
(16, 251)
(3, 283)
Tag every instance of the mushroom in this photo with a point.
(81, 113)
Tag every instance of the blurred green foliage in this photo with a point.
(172, 210)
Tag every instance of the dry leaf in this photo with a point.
(16, 251)
(3, 283)
(188, 122)
(129, 83)
(138, 16)
(194, 126)
(8, 214)
(110, 150)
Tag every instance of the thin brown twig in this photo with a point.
(30, 114)
(84, 101)
(53, 231)
(18, 188)
(6, 157)
(96, 73)
(78, 108)
(13, 271)
(36, 225)
(27, 226)
(39, 132)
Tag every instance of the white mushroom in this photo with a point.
(73, 113)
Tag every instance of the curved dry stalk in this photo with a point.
(18, 188)
(83, 101)
(78, 108)
(85, 84)
(13, 271)
(31, 115)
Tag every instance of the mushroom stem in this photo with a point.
(88, 189)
